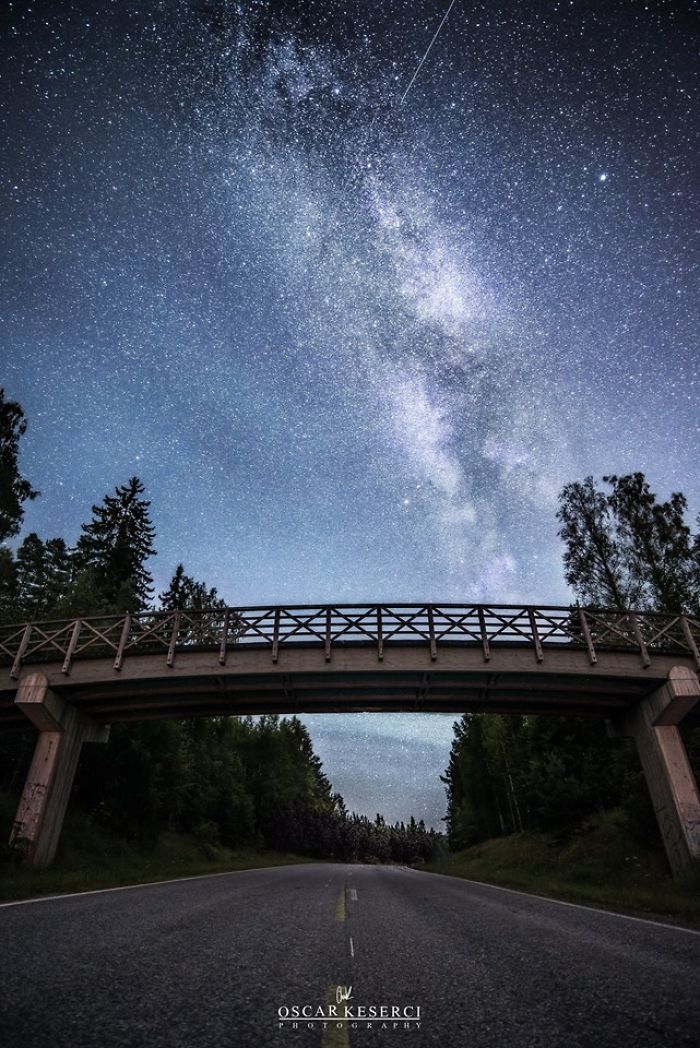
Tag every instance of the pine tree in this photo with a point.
(115, 546)
(14, 489)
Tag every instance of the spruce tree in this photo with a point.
(115, 546)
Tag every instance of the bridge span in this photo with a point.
(72, 679)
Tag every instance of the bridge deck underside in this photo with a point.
(407, 680)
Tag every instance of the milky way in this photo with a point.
(353, 345)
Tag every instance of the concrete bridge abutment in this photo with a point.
(62, 732)
(653, 724)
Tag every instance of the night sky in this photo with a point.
(354, 338)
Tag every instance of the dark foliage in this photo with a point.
(114, 547)
(623, 549)
(14, 488)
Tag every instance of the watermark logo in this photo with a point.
(342, 1012)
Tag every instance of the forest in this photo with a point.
(623, 548)
(235, 781)
(226, 780)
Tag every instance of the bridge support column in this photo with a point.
(653, 724)
(62, 732)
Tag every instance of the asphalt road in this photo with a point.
(211, 961)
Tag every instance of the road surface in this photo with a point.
(224, 961)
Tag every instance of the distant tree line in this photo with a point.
(354, 838)
(227, 780)
(623, 549)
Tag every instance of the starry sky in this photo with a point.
(353, 329)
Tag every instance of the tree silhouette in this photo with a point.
(14, 488)
(115, 546)
(625, 549)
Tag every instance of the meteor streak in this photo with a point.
(420, 64)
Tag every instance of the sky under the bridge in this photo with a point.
(353, 339)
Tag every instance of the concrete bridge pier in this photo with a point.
(62, 732)
(653, 724)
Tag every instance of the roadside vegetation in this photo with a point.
(91, 856)
(601, 864)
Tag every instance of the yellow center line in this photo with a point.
(335, 1034)
(340, 906)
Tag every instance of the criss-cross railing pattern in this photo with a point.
(227, 629)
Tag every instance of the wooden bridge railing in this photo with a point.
(378, 625)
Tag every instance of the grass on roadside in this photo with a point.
(602, 865)
(91, 857)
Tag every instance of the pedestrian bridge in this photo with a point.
(72, 679)
(447, 658)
